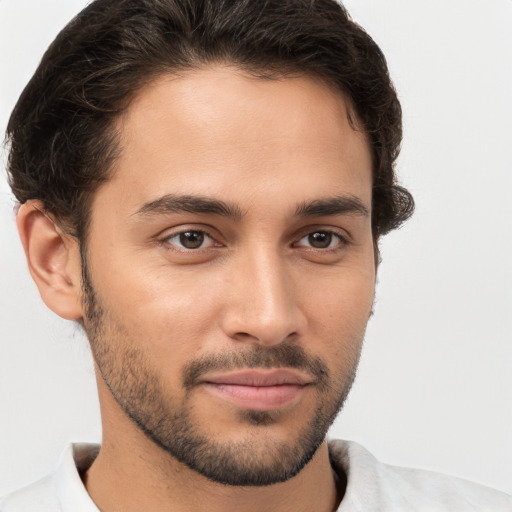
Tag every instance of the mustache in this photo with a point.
(278, 356)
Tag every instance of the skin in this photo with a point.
(265, 147)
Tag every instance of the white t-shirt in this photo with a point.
(371, 486)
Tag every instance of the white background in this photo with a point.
(434, 388)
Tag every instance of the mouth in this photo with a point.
(262, 389)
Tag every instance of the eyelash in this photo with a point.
(342, 241)
(166, 241)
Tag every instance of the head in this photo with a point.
(217, 175)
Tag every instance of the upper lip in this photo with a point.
(261, 377)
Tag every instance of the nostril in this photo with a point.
(244, 336)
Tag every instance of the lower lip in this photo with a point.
(259, 398)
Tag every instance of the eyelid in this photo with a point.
(341, 243)
(163, 238)
(344, 236)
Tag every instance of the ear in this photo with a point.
(53, 260)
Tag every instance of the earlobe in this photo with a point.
(53, 259)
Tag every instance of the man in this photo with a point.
(203, 186)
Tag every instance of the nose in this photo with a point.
(262, 305)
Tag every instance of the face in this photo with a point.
(230, 270)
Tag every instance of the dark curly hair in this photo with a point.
(63, 144)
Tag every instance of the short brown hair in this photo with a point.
(62, 140)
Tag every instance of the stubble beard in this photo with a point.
(255, 461)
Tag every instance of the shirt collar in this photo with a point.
(72, 494)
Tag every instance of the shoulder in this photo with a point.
(43, 493)
(62, 491)
(372, 485)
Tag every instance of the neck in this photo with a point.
(145, 477)
(131, 473)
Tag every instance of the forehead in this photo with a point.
(219, 131)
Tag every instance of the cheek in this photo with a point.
(166, 314)
(338, 309)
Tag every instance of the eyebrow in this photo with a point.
(171, 203)
(338, 205)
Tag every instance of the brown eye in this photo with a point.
(190, 240)
(321, 240)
